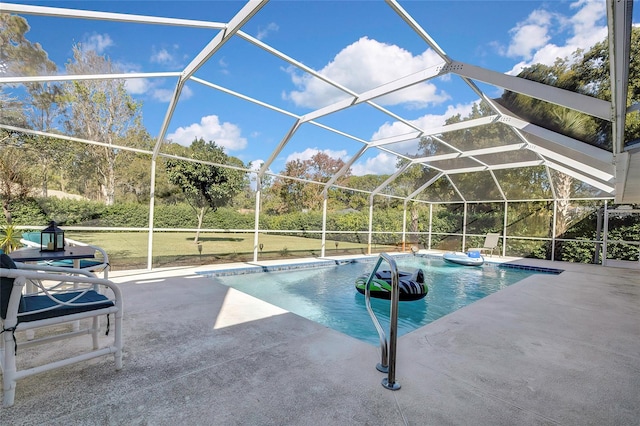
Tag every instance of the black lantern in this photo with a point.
(52, 238)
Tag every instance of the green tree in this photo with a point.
(296, 194)
(16, 177)
(38, 109)
(206, 184)
(101, 111)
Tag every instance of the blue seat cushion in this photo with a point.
(474, 254)
(34, 303)
(34, 237)
(6, 285)
(68, 263)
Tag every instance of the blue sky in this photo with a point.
(359, 44)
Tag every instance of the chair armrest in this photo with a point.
(79, 243)
(53, 269)
(36, 277)
(102, 251)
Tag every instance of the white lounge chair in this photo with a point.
(63, 295)
(490, 243)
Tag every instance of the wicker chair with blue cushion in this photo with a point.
(63, 295)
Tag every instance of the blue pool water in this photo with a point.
(327, 295)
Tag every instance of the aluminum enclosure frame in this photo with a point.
(605, 171)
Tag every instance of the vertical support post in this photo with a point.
(599, 214)
(464, 226)
(152, 202)
(370, 224)
(430, 224)
(404, 226)
(605, 234)
(324, 225)
(504, 229)
(553, 230)
(256, 223)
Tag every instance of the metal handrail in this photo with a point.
(387, 348)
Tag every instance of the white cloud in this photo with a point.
(364, 65)
(136, 86)
(161, 56)
(383, 163)
(425, 122)
(310, 152)
(530, 38)
(585, 26)
(164, 95)
(145, 86)
(168, 56)
(526, 40)
(97, 42)
(224, 66)
(264, 32)
(225, 134)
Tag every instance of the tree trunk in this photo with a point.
(563, 191)
(6, 210)
(414, 219)
(200, 220)
(111, 186)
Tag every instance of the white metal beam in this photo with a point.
(390, 179)
(610, 189)
(242, 17)
(583, 148)
(347, 165)
(395, 139)
(619, 21)
(466, 124)
(281, 145)
(57, 12)
(547, 153)
(369, 95)
(472, 153)
(424, 186)
(587, 104)
(492, 167)
(76, 77)
(418, 29)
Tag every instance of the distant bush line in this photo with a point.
(67, 212)
(39, 211)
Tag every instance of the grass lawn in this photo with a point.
(128, 250)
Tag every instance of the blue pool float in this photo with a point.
(470, 258)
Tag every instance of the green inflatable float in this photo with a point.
(411, 285)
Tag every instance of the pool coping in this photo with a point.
(252, 268)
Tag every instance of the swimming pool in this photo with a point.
(327, 295)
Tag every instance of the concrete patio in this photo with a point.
(559, 349)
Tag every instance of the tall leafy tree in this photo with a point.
(592, 74)
(101, 111)
(295, 194)
(16, 173)
(206, 184)
(39, 110)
